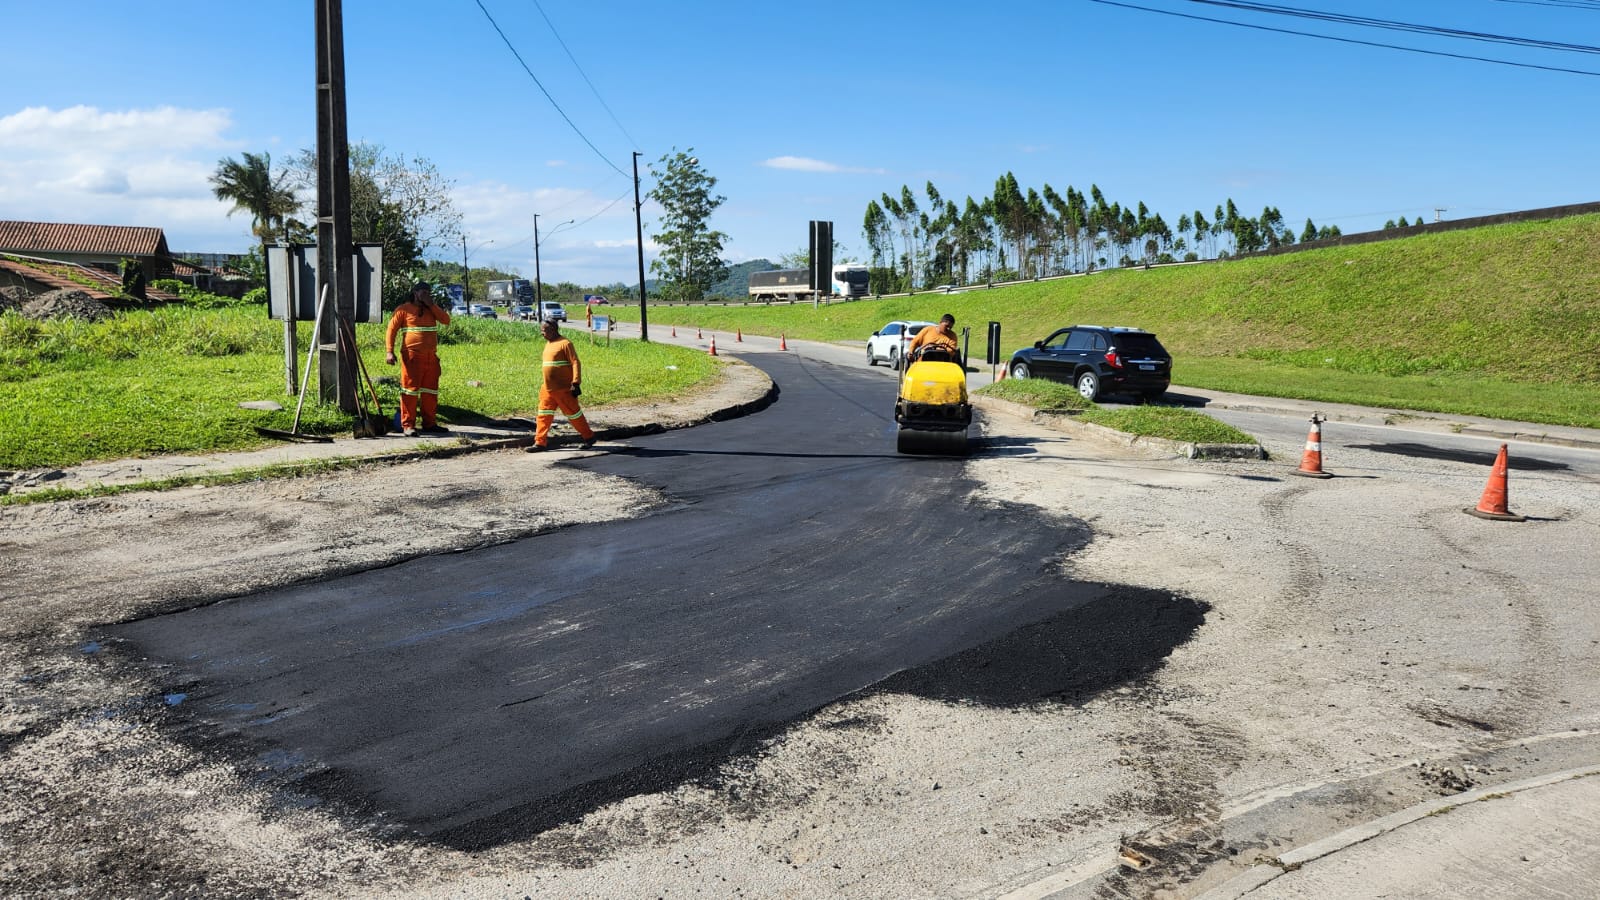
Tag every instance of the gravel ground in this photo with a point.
(1362, 638)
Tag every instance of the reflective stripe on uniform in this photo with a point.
(412, 328)
(555, 362)
(412, 392)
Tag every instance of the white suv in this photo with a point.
(549, 310)
(888, 343)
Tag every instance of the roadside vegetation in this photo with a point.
(1496, 321)
(170, 380)
(1169, 422)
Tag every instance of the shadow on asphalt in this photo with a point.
(1478, 457)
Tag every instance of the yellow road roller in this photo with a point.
(932, 410)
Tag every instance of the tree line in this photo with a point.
(915, 241)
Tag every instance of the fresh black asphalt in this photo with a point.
(796, 559)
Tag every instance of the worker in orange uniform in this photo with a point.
(941, 335)
(418, 320)
(560, 389)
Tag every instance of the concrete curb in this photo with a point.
(746, 387)
(1068, 423)
(1262, 874)
(1502, 431)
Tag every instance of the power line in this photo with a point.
(1329, 37)
(585, 75)
(1397, 26)
(570, 124)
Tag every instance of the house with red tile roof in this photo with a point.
(41, 256)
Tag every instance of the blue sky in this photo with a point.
(116, 113)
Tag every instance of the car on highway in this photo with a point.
(887, 343)
(522, 312)
(1097, 360)
(552, 311)
(483, 311)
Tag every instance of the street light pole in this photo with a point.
(466, 288)
(538, 280)
(638, 230)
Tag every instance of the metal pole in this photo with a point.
(466, 286)
(538, 280)
(638, 230)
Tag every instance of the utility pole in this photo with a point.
(335, 275)
(1438, 211)
(638, 230)
(466, 288)
(538, 281)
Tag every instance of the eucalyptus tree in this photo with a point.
(690, 261)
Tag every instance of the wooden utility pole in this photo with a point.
(336, 369)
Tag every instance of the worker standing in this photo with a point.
(559, 390)
(417, 321)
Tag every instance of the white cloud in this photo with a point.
(121, 167)
(806, 164)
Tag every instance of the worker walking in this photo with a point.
(417, 320)
(560, 389)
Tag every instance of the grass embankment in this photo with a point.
(169, 380)
(1499, 321)
(1171, 423)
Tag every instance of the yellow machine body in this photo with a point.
(932, 410)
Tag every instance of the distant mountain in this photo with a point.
(737, 284)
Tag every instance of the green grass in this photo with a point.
(1498, 321)
(1149, 421)
(1167, 422)
(169, 380)
(1048, 396)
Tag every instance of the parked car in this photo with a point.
(549, 309)
(482, 311)
(1098, 360)
(888, 342)
(522, 312)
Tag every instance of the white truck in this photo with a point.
(849, 282)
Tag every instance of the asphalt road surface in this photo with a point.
(479, 697)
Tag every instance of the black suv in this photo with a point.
(1099, 360)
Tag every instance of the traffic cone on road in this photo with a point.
(1002, 374)
(674, 331)
(713, 350)
(1311, 462)
(697, 335)
(738, 335)
(1493, 503)
(783, 342)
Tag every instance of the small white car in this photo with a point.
(551, 311)
(888, 343)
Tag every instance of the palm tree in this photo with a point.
(251, 187)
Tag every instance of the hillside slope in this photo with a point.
(1460, 321)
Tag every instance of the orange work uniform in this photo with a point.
(933, 335)
(418, 323)
(561, 375)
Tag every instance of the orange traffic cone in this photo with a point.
(783, 342)
(1002, 374)
(1311, 462)
(738, 335)
(697, 335)
(674, 331)
(1493, 503)
(713, 350)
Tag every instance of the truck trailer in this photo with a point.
(848, 281)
